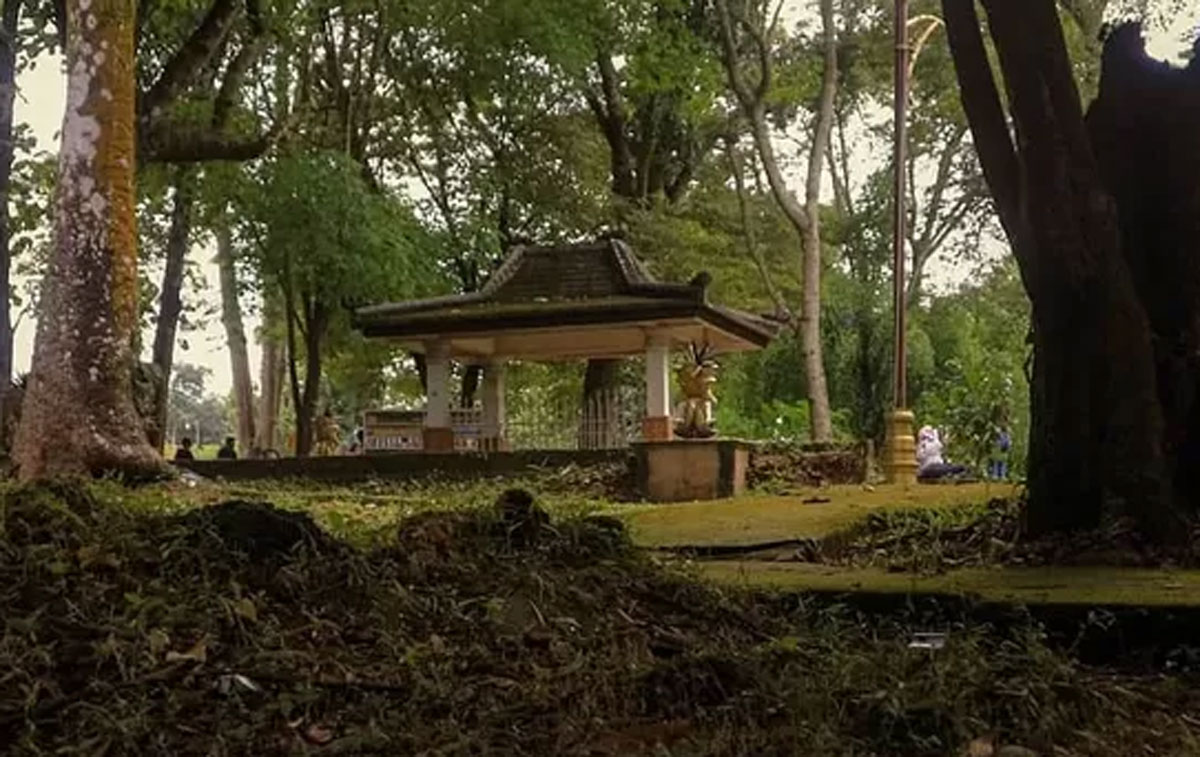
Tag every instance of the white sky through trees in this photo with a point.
(40, 103)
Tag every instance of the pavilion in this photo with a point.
(573, 302)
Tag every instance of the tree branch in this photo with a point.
(175, 145)
(235, 73)
(739, 183)
(183, 68)
(612, 122)
(754, 112)
(989, 127)
(940, 181)
(745, 95)
(823, 128)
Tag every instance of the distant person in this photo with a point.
(184, 450)
(998, 461)
(356, 442)
(931, 466)
(228, 450)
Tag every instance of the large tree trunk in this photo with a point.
(1096, 442)
(9, 21)
(78, 416)
(171, 301)
(1145, 111)
(599, 413)
(235, 337)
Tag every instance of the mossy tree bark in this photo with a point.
(78, 415)
(1105, 232)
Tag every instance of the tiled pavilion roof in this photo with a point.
(585, 300)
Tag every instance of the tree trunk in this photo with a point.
(1144, 111)
(1097, 436)
(170, 300)
(235, 337)
(805, 219)
(810, 305)
(302, 442)
(305, 401)
(78, 416)
(9, 21)
(470, 386)
(271, 393)
(601, 378)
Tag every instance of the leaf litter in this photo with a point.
(240, 628)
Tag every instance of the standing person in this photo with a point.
(228, 450)
(1001, 446)
(184, 450)
(931, 466)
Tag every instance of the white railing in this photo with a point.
(609, 419)
(402, 431)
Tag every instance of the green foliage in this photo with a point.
(776, 420)
(31, 213)
(191, 410)
(980, 356)
(319, 230)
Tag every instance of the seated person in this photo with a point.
(184, 450)
(228, 450)
(930, 465)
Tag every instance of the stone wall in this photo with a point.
(803, 465)
(769, 467)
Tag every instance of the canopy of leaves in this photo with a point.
(319, 230)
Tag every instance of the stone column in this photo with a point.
(438, 435)
(656, 425)
(494, 435)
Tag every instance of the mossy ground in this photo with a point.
(1082, 585)
(145, 622)
(803, 514)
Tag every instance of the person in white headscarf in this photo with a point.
(930, 463)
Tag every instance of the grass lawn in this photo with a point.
(1042, 585)
(758, 519)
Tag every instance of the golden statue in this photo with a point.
(328, 435)
(696, 379)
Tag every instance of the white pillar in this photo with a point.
(493, 404)
(657, 424)
(437, 385)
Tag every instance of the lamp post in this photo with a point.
(900, 460)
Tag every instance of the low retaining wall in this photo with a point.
(762, 466)
(406, 466)
(804, 465)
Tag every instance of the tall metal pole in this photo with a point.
(900, 461)
(899, 202)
